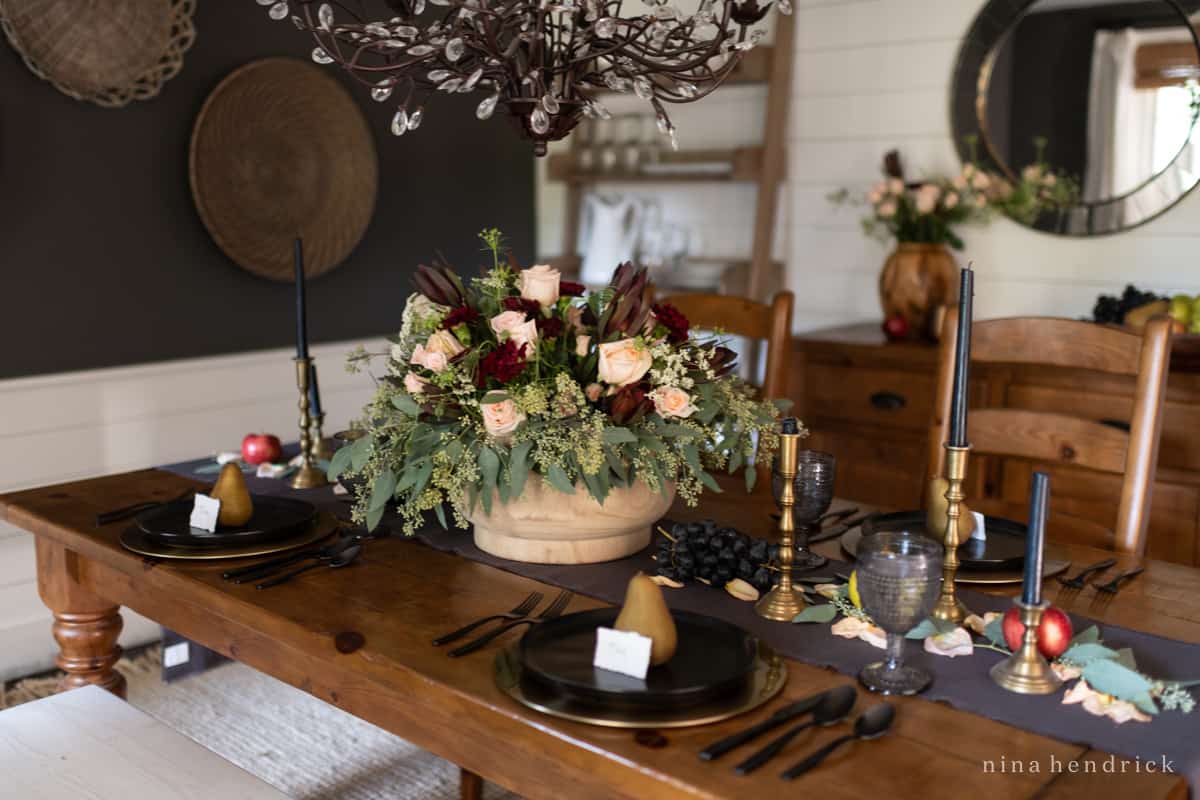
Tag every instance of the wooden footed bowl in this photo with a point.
(545, 526)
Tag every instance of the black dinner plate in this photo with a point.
(1004, 547)
(274, 518)
(714, 658)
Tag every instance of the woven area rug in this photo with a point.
(302, 746)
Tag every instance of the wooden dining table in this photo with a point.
(359, 638)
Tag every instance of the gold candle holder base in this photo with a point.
(1026, 671)
(948, 607)
(784, 602)
(322, 451)
(308, 476)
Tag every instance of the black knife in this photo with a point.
(780, 717)
(838, 530)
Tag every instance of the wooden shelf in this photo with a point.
(745, 164)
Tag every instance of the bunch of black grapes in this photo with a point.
(702, 551)
(1112, 309)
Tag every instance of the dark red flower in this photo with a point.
(530, 307)
(504, 363)
(630, 404)
(549, 327)
(571, 289)
(673, 320)
(458, 316)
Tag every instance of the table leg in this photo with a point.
(470, 785)
(85, 626)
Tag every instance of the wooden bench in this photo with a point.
(86, 742)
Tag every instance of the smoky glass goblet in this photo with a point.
(899, 576)
(813, 491)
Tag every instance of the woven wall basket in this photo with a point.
(281, 149)
(108, 52)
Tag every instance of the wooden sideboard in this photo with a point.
(870, 403)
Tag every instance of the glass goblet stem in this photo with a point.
(895, 652)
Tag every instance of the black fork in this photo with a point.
(1085, 574)
(518, 611)
(553, 610)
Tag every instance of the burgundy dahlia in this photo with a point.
(673, 320)
(458, 316)
(530, 307)
(571, 289)
(549, 327)
(504, 363)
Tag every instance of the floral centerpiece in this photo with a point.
(516, 402)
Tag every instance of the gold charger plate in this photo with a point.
(766, 681)
(133, 539)
(1050, 566)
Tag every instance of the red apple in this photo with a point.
(1054, 633)
(895, 328)
(261, 448)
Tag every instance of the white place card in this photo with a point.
(204, 513)
(980, 531)
(623, 651)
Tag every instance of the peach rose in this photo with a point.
(886, 209)
(581, 345)
(927, 198)
(959, 182)
(623, 362)
(444, 342)
(672, 402)
(517, 328)
(593, 391)
(981, 181)
(951, 200)
(429, 359)
(540, 283)
(874, 197)
(502, 418)
(895, 186)
(414, 383)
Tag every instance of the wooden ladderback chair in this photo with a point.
(1060, 438)
(742, 317)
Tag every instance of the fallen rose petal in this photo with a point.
(1066, 672)
(1078, 693)
(874, 635)
(978, 624)
(848, 627)
(828, 590)
(1122, 711)
(950, 644)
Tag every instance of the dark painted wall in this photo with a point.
(104, 261)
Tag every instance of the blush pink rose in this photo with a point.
(623, 362)
(414, 383)
(444, 342)
(672, 402)
(581, 345)
(540, 284)
(517, 327)
(502, 418)
(429, 359)
(593, 392)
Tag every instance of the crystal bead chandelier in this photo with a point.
(544, 61)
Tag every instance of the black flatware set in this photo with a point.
(827, 708)
(1084, 578)
(520, 614)
(341, 552)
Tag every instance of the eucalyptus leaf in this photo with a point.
(618, 436)
(382, 491)
(674, 431)
(1126, 658)
(374, 515)
(489, 468)
(822, 613)
(735, 459)
(441, 515)
(1107, 676)
(559, 480)
(360, 452)
(929, 627)
(423, 474)
(616, 463)
(1145, 702)
(406, 405)
(1083, 654)
(994, 632)
(751, 478)
(1088, 636)
(518, 468)
(339, 463)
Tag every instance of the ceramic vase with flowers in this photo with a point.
(559, 425)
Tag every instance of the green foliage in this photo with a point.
(825, 612)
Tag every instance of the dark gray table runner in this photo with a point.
(961, 682)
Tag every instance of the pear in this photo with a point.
(230, 489)
(936, 507)
(645, 612)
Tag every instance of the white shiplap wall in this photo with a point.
(61, 427)
(871, 75)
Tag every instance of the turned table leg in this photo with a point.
(86, 626)
(470, 785)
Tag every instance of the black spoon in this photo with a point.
(342, 559)
(871, 724)
(832, 709)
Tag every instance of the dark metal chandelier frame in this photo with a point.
(545, 61)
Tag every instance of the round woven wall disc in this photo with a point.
(109, 52)
(279, 150)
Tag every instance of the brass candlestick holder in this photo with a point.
(1026, 671)
(949, 608)
(321, 449)
(784, 602)
(308, 476)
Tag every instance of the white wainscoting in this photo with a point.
(62, 427)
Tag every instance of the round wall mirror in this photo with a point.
(1088, 108)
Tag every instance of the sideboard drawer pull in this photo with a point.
(888, 401)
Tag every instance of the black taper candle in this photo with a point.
(301, 310)
(962, 360)
(314, 391)
(1035, 539)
